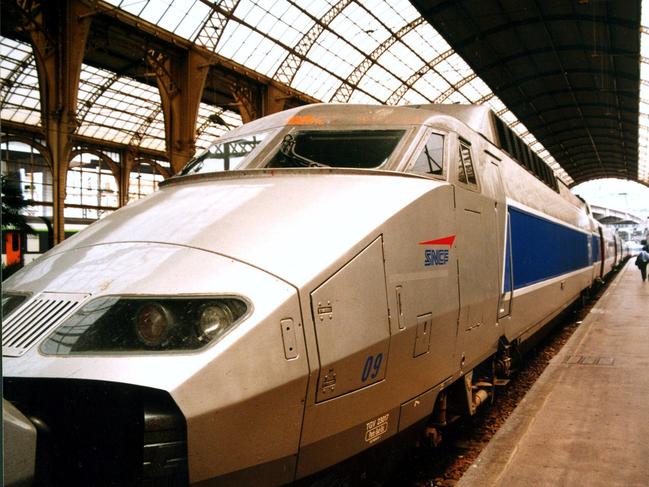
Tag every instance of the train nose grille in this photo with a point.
(24, 327)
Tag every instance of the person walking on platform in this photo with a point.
(642, 260)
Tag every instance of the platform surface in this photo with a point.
(586, 420)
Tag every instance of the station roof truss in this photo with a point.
(357, 51)
(570, 71)
(611, 216)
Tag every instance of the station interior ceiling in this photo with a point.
(570, 77)
(569, 70)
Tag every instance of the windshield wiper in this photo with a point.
(288, 149)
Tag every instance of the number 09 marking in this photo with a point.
(372, 367)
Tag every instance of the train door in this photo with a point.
(350, 411)
(602, 252)
(478, 259)
(352, 328)
(503, 236)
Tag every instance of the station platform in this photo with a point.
(586, 420)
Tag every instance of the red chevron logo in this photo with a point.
(440, 241)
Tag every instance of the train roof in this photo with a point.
(323, 114)
(479, 118)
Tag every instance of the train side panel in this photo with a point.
(417, 295)
(548, 251)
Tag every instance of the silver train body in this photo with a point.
(259, 325)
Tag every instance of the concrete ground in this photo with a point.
(586, 420)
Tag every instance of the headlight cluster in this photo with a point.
(125, 324)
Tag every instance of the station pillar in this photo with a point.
(180, 82)
(58, 32)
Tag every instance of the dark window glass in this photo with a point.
(466, 172)
(10, 302)
(360, 149)
(225, 156)
(502, 135)
(431, 159)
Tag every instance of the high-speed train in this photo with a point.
(318, 282)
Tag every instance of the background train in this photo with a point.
(22, 248)
(319, 282)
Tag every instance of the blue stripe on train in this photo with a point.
(542, 249)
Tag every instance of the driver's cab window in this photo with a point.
(342, 148)
(465, 167)
(431, 159)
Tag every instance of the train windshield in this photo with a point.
(225, 155)
(360, 149)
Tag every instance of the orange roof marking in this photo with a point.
(304, 120)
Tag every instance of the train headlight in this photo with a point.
(153, 324)
(116, 324)
(214, 321)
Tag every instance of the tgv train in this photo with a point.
(317, 283)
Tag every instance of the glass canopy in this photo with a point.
(357, 51)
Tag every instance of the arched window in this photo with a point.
(91, 190)
(144, 178)
(24, 165)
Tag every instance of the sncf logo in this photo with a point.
(434, 257)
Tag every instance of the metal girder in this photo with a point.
(58, 30)
(553, 93)
(180, 82)
(130, 160)
(144, 126)
(525, 55)
(608, 148)
(248, 100)
(161, 63)
(286, 71)
(590, 174)
(540, 58)
(400, 92)
(16, 129)
(456, 87)
(346, 85)
(614, 161)
(552, 124)
(566, 80)
(293, 51)
(594, 105)
(557, 73)
(207, 122)
(473, 26)
(515, 24)
(212, 29)
(89, 103)
(9, 80)
(345, 90)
